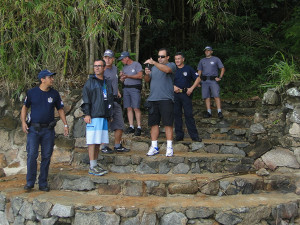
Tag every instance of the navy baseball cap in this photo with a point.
(208, 48)
(45, 73)
(123, 55)
(109, 53)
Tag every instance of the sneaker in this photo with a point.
(220, 115)
(169, 152)
(107, 150)
(197, 139)
(153, 151)
(138, 132)
(121, 149)
(207, 115)
(97, 171)
(46, 188)
(129, 130)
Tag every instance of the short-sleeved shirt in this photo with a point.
(132, 69)
(184, 76)
(210, 66)
(111, 74)
(42, 104)
(161, 84)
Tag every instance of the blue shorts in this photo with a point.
(97, 131)
(131, 98)
(210, 89)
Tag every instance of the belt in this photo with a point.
(42, 125)
(137, 86)
(204, 78)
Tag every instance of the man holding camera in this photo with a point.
(183, 98)
(40, 130)
(161, 97)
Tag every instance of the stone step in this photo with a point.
(180, 163)
(76, 179)
(228, 112)
(70, 207)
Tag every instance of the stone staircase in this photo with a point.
(210, 182)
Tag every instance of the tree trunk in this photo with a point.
(126, 39)
(138, 30)
(182, 22)
(91, 55)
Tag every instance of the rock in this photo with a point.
(3, 162)
(262, 172)
(260, 147)
(109, 189)
(258, 118)
(211, 188)
(295, 116)
(256, 215)
(293, 92)
(195, 168)
(180, 148)
(164, 167)
(4, 140)
(285, 211)
(183, 188)
(20, 137)
(212, 148)
(176, 159)
(270, 97)
(259, 163)
(297, 154)
(196, 146)
(201, 212)
(144, 168)
(122, 160)
(174, 219)
(121, 169)
(148, 219)
(49, 221)
(181, 168)
(2, 202)
(27, 211)
(92, 218)
(80, 143)
(140, 146)
(78, 113)
(125, 212)
(79, 130)
(16, 205)
(280, 157)
(62, 210)
(231, 150)
(64, 142)
(257, 129)
(61, 155)
(239, 132)
(42, 209)
(226, 218)
(133, 188)
(59, 128)
(81, 184)
(130, 221)
(8, 122)
(294, 131)
(19, 220)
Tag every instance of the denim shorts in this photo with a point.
(210, 89)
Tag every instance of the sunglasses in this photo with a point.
(98, 66)
(162, 56)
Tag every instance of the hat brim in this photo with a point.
(122, 57)
(209, 49)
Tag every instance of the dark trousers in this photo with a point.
(182, 100)
(45, 138)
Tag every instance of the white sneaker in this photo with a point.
(153, 151)
(169, 152)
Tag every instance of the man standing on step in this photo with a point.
(97, 106)
(117, 124)
(131, 75)
(40, 129)
(161, 99)
(183, 98)
(208, 70)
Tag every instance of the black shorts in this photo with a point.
(162, 110)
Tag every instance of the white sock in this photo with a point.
(169, 143)
(219, 110)
(209, 110)
(154, 144)
(93, 163)
(132, 126)
(139, 127)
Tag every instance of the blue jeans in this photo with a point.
(182, 100)
(45, 138)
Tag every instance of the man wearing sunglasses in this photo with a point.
(161, 98)
(97, 97)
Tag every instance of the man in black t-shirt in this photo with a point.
(183, 98)
(40, 130)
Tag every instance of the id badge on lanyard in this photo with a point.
(104, 91)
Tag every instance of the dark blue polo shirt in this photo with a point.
(185, 76)
(42, 104)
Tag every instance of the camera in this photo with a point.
(149, 66)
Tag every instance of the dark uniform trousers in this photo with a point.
(182, 100)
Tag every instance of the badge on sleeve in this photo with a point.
(50, 100)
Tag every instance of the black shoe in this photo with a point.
(107, 150)
(121, 149)
(138, 132)
(179, 139)
(197, 139)
(46, 188)
(220, 115)
(27, 187)
(207, 115)
(129, 130)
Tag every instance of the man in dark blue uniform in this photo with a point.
(183, 98)
(40, 130)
